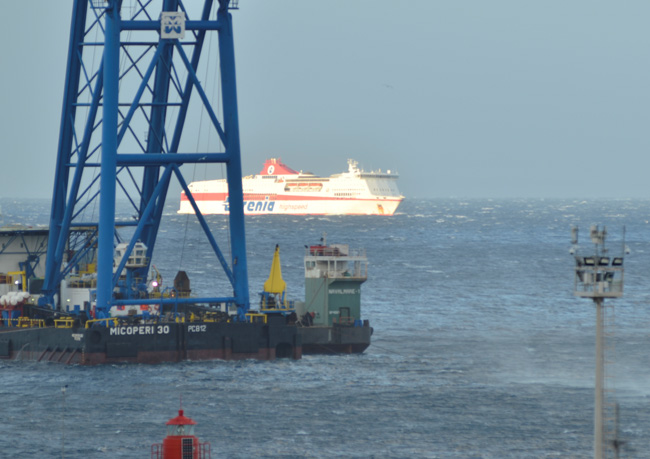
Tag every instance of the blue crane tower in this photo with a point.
(131, 74)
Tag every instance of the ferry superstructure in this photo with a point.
(279, 189)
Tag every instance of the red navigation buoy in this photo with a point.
(180, 442)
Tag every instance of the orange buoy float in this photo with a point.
(180, 442)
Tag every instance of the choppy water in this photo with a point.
(480, 349)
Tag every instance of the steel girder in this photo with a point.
(127, 94)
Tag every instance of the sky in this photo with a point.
(468, 99)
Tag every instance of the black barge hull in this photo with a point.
(334, 340)
(152, 343)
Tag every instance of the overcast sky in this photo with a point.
(462, 98)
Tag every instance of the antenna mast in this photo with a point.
(598, 276)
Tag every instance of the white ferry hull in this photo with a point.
(280, 190)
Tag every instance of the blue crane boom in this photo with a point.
(131, 72)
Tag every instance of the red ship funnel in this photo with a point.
(274, 166)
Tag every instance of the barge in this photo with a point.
(81, 292)
(90, 294)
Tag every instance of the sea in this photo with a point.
(480, 349)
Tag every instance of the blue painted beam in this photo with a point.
(118, 224)
(125, 159)
(205, 227)
(201, 91)
(156, 135)
(142, 222)
(105, 247)
(82, 155)
(68, 112)
(233, 166)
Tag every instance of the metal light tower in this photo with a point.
(598, 276)
(131, 74)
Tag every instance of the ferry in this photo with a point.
(279, 189)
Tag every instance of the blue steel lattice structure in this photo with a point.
(131, 73)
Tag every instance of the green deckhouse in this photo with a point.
(333, 278)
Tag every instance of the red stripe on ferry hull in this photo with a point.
(221, 197)
(294, 204)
